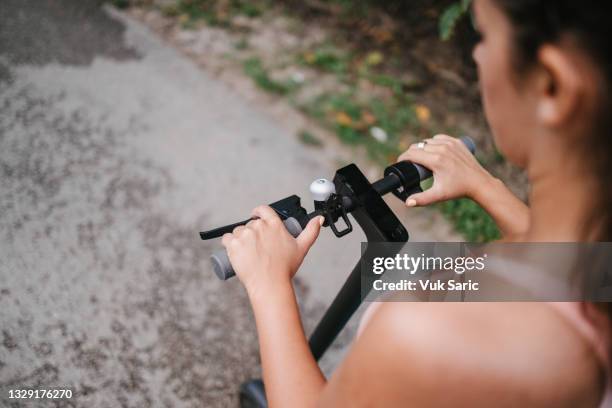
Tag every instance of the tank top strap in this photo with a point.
(594, 327)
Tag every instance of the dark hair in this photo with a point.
(537, 22)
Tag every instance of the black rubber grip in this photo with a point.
(222, 265)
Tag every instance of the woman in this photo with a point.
(545, 75)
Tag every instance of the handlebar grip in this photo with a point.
(222, 265)
(425, 173)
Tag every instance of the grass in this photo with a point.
(387, 81)
(248, 8)
(309, 139)
(190, 12)
(212, 12)
(353, 120)
(254, 68)
(470, 220)
(326, 58)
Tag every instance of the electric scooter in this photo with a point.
(349, 193)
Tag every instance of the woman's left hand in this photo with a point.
(263, 253)
(456, 172)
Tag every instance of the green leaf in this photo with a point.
(451, 16)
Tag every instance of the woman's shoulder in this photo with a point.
(476, 353)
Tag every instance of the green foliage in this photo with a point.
(347, 103)
(247, 8)
(393, 116)
(120, 4)
(499, 157)
(254, 68)
(309, 139)
(451, 16)
(494, 158)
(353, 8)
(213, 12)
(353, 119)
(193, 11)
(388, 81)
(470, 220)
(327, 58)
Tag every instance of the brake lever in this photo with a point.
(288, 207)
(226, 229)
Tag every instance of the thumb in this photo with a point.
(425, 198)
(309, 235)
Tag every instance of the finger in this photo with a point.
(438, 142)
(422, 157)
(310, 234)
(455, 141)
(417, 146)
(227, 238)
(445, 137)
(442, 148)
(239, 230)
(425, 198)
(254, 223)
(427, 144)
(265, 212)
(434, 142)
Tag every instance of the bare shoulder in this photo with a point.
(467, 354)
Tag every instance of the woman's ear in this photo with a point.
(559, 85)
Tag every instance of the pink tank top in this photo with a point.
(594, 327)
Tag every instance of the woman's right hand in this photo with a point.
(456, 172)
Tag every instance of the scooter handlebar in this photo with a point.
(223, 267)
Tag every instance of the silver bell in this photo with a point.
(321, 189)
